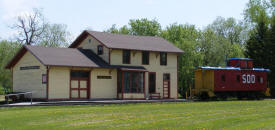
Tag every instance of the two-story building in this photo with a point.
(99, 65)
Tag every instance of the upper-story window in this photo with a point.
(126, 57)
(163, 58)
(99, 49)
(145, 58)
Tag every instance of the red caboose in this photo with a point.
(237, 79)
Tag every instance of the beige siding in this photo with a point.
(29, 80)
(103, 88)
(59, 83)
(133, 95)
(93, 46)
(154, 66)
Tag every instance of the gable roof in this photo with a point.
(66, 57)
(58, 57)
(121, 41)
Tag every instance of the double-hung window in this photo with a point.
(99, 49)
(163, 58)
(126, 57)
(145, 58)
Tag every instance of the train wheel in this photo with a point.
(240, 97)
(222, 96)
(204, 96)
(260, 96)
(251, 96)
(215, 98)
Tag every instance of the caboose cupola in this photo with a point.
(244, 63)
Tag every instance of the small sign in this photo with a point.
(104, 77)
(44, 78)
(29, 67)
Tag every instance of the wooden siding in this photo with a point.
(154, 66)
(103, 88)
(59, 83)
(30, 79)
(204, 80)
(93, 46)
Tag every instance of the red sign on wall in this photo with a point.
(44, 78)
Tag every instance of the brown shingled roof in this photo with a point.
(121, 41)
(66, 57)
(55, 56)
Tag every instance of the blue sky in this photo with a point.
(99, 15)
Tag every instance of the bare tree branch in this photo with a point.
(30, 27)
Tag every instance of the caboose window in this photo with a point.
(260, 79)
(238, 78)
(223, 78)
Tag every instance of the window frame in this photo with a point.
(143, 53)
(44, 79)
(79, 74)
(223, 78)
(129, 58)
(160, 57)
(128, 85)
(100, 46)
(238, 78)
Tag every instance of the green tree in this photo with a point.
(260, 45)
(186, 38)
(216, 49)
(228, 28)
(55, 35)
(123, 30)
(145, 27)
(140, 27)
(112, 29)
(7, 51)
(271, 61)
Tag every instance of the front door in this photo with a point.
(152, 82)
(79, 85)
(79, 88)
(166, 85)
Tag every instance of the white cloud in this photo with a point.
(14, 8)
(10, 9)
(149, 2)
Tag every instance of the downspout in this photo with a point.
(12, 79)
(47, 67)
(122, 88)
(177, 76)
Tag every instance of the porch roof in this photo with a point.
(130, 68)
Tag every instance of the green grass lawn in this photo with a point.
(188, 115)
